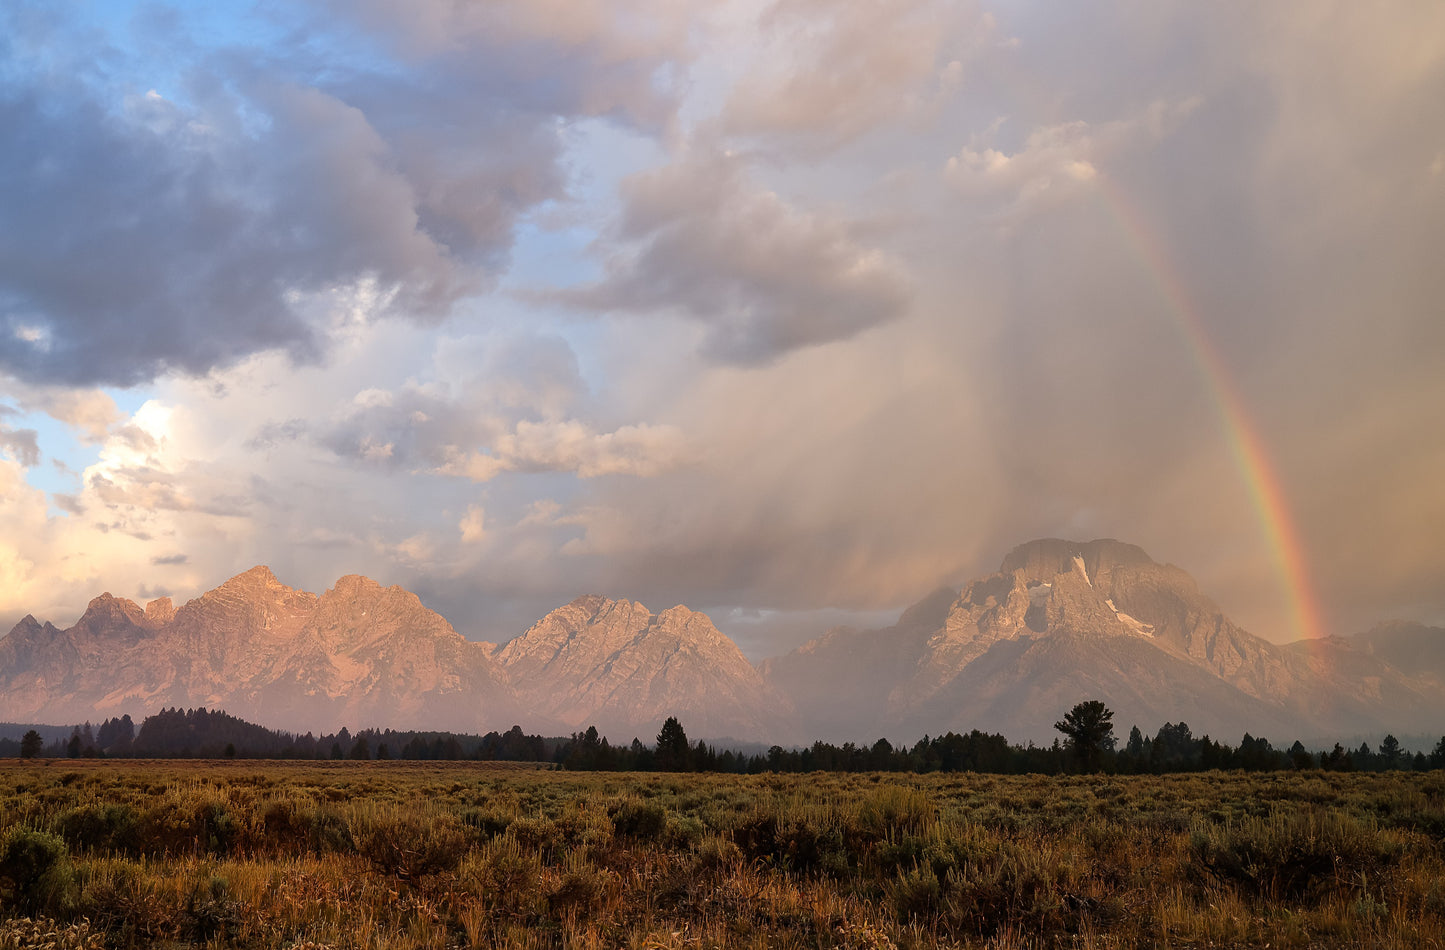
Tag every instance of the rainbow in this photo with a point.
(1248, 448)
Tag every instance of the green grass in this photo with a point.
(441, 855)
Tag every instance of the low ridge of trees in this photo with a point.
(1088, 745)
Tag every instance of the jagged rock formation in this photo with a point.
(1060, 622)
(1063, 621)
(617, 665)
(360, 654)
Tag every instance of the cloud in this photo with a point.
(300, 240)
(21, 445)
(1055, 161)
(700, 240)
(169, 560)
(601, 56)
(91, 413)
(472, 525)
(495, 404)
(570, 446)
(829, 73)
(272, 197)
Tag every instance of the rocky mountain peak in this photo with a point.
(1041, 559)
(105, 612)
(686, 621)
(160, 611)
(1075, 604)
(354, 584)
(616, 665)
(258, 576)
(264, 651)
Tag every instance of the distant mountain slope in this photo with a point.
(1063, 621)
(359, 654)
(1060, 622)
(616, 665)
(1406, 646)
(833, 681)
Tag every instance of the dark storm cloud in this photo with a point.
(267, 197)
(698, 239)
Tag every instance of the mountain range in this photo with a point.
(1059, 622)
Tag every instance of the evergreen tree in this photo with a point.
(1135, 746)
(673, 751)
(116, 735)
(1391, 755)
(1089, 727)
(31, 744)
(1300, 757)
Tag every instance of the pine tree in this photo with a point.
(31, 744)
(1089, 727)
(1391, 753)
(673, 751)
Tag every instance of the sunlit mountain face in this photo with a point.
(1009, 653)
(789, 312)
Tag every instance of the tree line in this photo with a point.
(213, 734)
(1086, 744)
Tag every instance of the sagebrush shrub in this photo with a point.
(35, 872)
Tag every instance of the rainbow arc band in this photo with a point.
(1251, 456)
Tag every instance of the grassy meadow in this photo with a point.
(426, 854)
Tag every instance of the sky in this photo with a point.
(788, 311)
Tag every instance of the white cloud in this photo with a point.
(824, 73)
(1055, 161)
(472, 525)
(570, 446)
(91, 412)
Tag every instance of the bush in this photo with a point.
(1295, 857)
(123, 900)
(580, 890)
(489, 822)
(640, 820)
(329, 833)
(916, 893)
(35, 872)
(793, 845)
(113, 828)
(891, 808)
(407, 844)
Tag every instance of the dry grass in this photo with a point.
(443, 855)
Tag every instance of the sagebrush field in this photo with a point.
(363, 855)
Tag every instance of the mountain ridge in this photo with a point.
(1060, 621)
(1065, 620)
